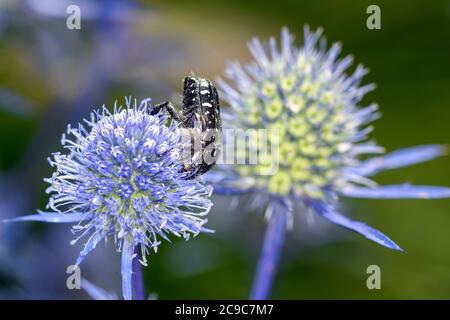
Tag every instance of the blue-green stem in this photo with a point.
(270, 255)
(137, 278)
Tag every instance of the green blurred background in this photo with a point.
(409, 60)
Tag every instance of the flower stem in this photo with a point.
(137, 277)
(270, 255)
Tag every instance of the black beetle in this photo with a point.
(201, 124)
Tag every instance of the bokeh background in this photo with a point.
(51, 76)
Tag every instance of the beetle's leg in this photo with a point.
(169, 107)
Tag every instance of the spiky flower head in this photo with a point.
(314, 116)
(312, 105)
(121, 176)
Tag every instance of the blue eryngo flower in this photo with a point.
(121, 177)
(311, 109)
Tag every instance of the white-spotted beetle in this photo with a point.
(201, 124)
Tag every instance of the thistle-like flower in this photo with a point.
(121, 176)
(321, 131)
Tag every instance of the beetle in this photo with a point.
(201, 124)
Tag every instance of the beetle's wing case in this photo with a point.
(200, 103)
(201, 111)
